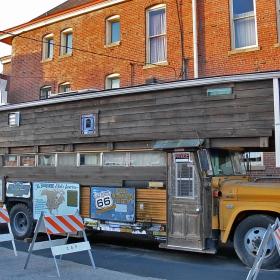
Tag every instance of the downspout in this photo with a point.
(195, 52)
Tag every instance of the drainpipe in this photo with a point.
(195, 53)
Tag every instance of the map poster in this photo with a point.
(55, 198)
(113, 204)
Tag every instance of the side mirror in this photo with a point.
(203, 160)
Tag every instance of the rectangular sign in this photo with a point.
(18, 189)
(55, 198)
(113, 204)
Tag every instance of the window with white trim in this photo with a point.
(66, 160)
(112, 81)
(66, 41)
(64, 87)
(47, 50)
(243, 24)
(45, 92)
(48, 159)
(113, 30)
(27, 160)
(255, 158)
(156, 34)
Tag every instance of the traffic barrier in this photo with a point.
(64, 224)
(273, 231)
(5, 219)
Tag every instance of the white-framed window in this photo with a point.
(46, 160)
(113, 30)
(27, 160)
(64, 87)
(11, 160)
(66, 159)
(66, 41)
(156, 34)
(147, 159)
(243, 23)
(112, 81)
(255, 158)
(184, 176)
(89, 159)
(114, 159)
(45, 92)
(47, 48)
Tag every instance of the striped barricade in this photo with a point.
(272, 232)
(64, 224)
(5, 219)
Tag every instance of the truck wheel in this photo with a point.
(248, 237)
(21, 221)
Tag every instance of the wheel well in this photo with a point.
(11, 203)
(243, 215)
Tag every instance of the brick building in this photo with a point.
(97, 44)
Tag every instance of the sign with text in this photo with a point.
(55, 198)
(113, 204)
(18, 189)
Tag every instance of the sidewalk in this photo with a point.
(12, 267)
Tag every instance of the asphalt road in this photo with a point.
(142, 257)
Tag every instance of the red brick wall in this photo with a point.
(88, 66)
(269, 168)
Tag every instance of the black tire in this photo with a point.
(21, 221)
(248, 237)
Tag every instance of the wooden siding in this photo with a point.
(85, 202)
(150, 206)
(85, 176)
(169, 114)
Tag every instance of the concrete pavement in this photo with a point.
(39, 267)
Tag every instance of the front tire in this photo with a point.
(248, 237)
(21, 221)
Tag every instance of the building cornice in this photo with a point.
(70, 13)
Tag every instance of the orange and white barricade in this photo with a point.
(64, 224)
(5, 219)
(272, 232)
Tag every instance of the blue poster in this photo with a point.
(113, 204)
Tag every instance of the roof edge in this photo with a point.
(92, 94)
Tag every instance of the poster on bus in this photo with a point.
(113, 204)
(55, 198)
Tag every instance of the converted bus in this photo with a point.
(151, 160)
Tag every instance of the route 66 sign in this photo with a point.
(112, 203)
(103, 199)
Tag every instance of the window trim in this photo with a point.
(109, 78)
(148, 49)
(63, 42)
(46, 47)
(232, 20)
(109, 22)
(65, 84)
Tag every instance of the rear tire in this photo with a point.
(248, 237)
(21, 221)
